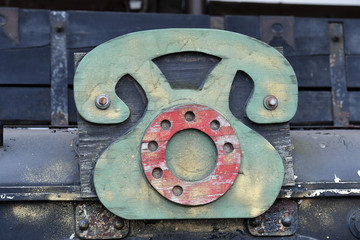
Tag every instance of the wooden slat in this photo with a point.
(88, 29)
(311, 36)
(314, 108)
(24, 104)
(311, 71)
(248, 25)
(34, 30)
(25, 66)
(354, 100)
(352, 36)
(353, 71)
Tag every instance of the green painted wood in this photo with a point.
(118, 177)
(132, 53)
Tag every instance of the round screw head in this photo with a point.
(286, 221)
(59, 28)
(335, 38)
(270, 102)
(102, 101)
(119, 223)
(83, 224)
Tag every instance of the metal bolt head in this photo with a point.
(102, 101)
(286, 221)
(119, 223)
(270, 102)
(254, 222)
(354, 223)
(83, 224)
(335, 38)
(59, 28)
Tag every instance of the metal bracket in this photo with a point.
(339, 93)
(280, 220)
(278, 31)
(354, 223)
(59, 71)
(9, 23)
(93, 221)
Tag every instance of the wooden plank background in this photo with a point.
(27, 64)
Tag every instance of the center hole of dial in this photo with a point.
(191, 155)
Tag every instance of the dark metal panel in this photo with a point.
(354, 100)
(311, 36)
(339, 94)
(89, 29)
(37, 220)
(72, 107)
(325, 218)
(314, 108)
(59, 72)
(28, 66)
(311, 71)
(24, 104)
(33, 30)
(38, 157)
(248, 25)
(326, 156)
(352, 36)
(353, 70)
(10, 24)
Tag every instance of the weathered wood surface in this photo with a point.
(261, 161)
(316, 108)
(93, 142)
(17, 105)
(27, 62)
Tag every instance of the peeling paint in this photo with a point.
(317, 193)
(336, 179)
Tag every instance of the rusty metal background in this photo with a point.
(280, 220)
(94, 221)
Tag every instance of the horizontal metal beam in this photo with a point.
(42, 164)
